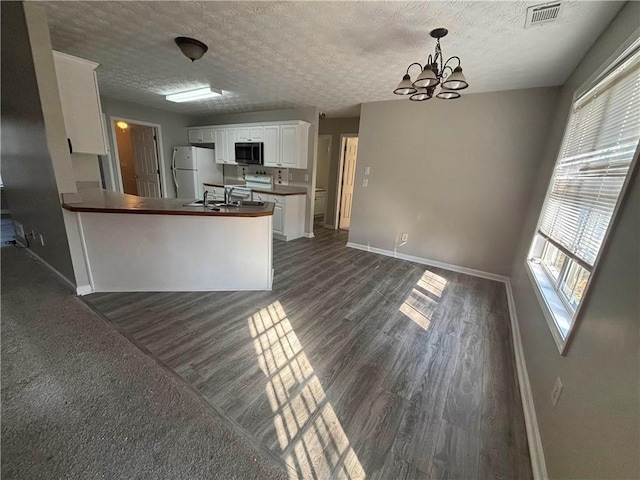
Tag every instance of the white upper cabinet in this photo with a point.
(220, 140)
(288, 150)
(294, 145)
(286, 144)
(195, 135)
(81, 106)
(249, 134)
(230, 154)
(208, 135)
(201, 135)
(271, 145)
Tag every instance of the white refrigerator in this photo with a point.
(193, 166)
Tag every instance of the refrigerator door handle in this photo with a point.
(173, 171)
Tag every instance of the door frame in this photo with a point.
(343, 145)
(163, 176)
(326, 204)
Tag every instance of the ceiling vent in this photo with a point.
(543, 13)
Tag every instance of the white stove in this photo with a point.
(262, 182)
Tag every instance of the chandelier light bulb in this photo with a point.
(405, 87)
(456, 80)
(427, 78)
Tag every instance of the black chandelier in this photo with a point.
(435, 72)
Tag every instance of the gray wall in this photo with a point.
(455, 175)
(174, 128)
(594, 431)
(335, 127)
(27, 166)
(307, 114)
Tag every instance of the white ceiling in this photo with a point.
(332, 55)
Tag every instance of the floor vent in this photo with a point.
(543, 13)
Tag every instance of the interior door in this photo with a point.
(348, 180)
(145, 156)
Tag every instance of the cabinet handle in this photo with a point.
(70, 145)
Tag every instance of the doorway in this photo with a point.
(346, 181)
(138, 158)
(322, 179)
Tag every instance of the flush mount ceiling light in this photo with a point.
(435, 72)
(122, 125)
(192, 95)
(192, 48)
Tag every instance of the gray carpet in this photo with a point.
(80, 401)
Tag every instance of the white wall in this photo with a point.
(594, 431)
(174, 129)
(455, 175)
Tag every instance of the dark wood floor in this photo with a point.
(354, 366)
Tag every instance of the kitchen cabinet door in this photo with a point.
(243, 134)
(288, 150)
(208, 135)
(278, 219)
(220, 140)
(81, 108)
(256, 134)
(271, 140)
(230, 154)
(195, 136)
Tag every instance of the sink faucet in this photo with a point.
(204, 198)
(227, 194)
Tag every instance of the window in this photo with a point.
(596, 158)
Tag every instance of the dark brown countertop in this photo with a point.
(276, 190)
(98, 200)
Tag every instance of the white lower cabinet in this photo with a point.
(215, 193)
(320, 204)
(288, 214)
(278, 219)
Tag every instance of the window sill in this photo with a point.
(558, 317)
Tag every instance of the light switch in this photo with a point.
(306, 178)
(367, 170)
(365, 182)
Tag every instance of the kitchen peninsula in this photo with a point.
(135, 243)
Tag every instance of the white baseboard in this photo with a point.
(64, 279)
(536, 452)
(538, 464)
(329, 226)
(308, 235)
(84, 290)
(431, 263)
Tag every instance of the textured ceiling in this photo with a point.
(331, 55)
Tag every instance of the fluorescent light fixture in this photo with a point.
(192, 95)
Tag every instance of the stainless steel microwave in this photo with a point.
(250, 153)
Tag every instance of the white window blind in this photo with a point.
(598, 149)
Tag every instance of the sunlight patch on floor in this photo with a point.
(422, 300)
(309, 432)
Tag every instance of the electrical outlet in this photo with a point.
(405, 237)
(41, 240)
(557, 390)
(306, 178)
(291, 176)
(367, 170)
(365, 182)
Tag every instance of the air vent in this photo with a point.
(543, 13)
